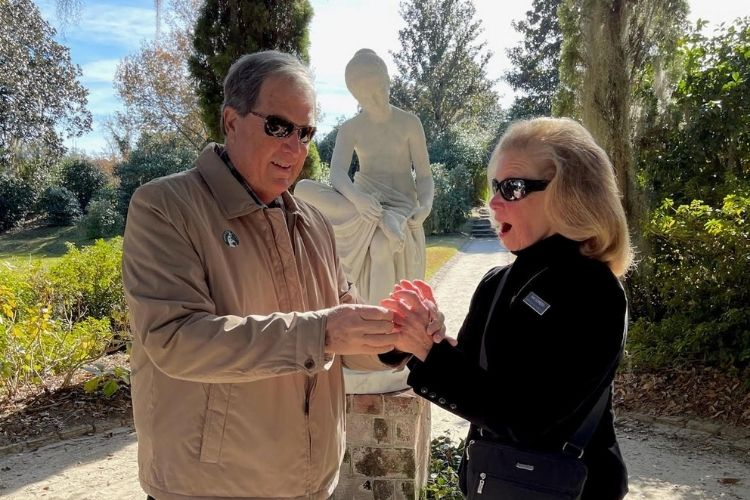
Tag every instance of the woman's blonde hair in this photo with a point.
(583, 201)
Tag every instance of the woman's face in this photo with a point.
(522, 222)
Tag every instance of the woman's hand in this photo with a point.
(436, 327)
(416, 316)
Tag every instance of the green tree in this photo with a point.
(442, 75)
(612, 49)
(155, 84)
(690, 298)
(700, 147)
(83, 179)
(536, 60)
(41, 100)
(154, 156)
(228, 29)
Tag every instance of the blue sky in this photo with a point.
(109, 30)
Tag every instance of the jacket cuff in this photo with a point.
(311, 337)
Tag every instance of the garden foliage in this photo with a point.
(692, 294)
(16, 199)
(59, 206)
(83, 179)
(56, 318)
(445, 457)
(453, 194)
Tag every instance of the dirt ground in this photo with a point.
(665, 463)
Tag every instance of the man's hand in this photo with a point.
(359, 329)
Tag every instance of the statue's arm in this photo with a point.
(340, 161)
(423, 179)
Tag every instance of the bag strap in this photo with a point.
(581, 437)
(482, 348)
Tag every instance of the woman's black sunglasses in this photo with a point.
(514, 189)
(278, 127)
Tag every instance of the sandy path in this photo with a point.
(664, 463)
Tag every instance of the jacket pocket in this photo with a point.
(216, 417)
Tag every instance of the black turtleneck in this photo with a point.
(551, 342)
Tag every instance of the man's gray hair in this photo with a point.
(247, 74)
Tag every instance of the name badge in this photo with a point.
(535, 302)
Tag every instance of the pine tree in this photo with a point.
(441, 67)
(228, 29)
(536, 60)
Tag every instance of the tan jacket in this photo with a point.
(232, 394)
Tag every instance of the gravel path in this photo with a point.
(664, 462)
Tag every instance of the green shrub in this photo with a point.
(16, 199)
(88, 283)
(445, 457)
(60, 206)
(311, 168)
(453, 199)
(55, 319)
(466, 147)
(35, 346)
(103, 220)
(691, 296)
(106, 380)
(82, 178)
(154, 156)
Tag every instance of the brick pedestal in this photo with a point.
(387, 447)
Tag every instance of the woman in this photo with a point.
(551, 339)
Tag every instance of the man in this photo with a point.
(239, 308)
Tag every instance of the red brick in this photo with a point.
(368, 404)
(405, 403)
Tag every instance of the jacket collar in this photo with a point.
(550, 249)
(230, 196)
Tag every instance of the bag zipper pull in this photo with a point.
(467, 450)
(481, 482)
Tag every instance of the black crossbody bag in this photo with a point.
(494, 470)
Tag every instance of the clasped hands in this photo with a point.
(416, 317)
(408, 321)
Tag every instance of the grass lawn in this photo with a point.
(49, 243)
(440, 249)
(39, 243)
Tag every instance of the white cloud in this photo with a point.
(118, 24)
(100, 71)
(105, 25)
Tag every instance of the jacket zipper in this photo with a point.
(482, 477)
(308, 391)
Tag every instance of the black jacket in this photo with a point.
(551, 341)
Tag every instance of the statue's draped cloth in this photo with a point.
(354, 236)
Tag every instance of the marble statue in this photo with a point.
(377, 218)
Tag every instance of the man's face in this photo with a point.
(270, 164)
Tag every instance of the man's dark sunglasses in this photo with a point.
(514, 189)
(278, 127)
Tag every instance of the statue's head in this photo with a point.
(367, 79)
